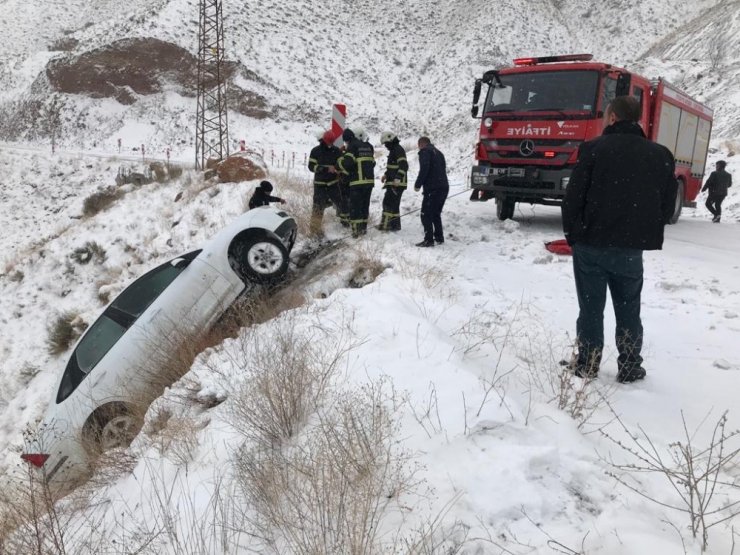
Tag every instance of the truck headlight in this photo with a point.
(564, 182)
(488, 122)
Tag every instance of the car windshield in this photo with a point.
(544, 91)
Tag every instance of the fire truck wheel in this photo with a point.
(679, 202)
(505, 208)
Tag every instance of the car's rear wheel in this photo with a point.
(111, 427)
(261, 258)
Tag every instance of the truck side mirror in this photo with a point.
(476, 98)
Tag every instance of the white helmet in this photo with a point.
(387, 136)
(360, 134)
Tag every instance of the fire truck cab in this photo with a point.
(537, 113)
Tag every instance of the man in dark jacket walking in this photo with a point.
(322, 162)
(621, 194)
(717, 184)
(432, 180)
(395, 180)
(357, 165)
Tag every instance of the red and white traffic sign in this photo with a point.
(338, 119)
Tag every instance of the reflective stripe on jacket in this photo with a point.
(358, 163)
(322, 158)
(397, 167)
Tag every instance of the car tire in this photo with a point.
(111, 427)
(679, 202)
(261, 258)
(505, 208)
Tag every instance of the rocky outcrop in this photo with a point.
(243, 166)
(129, 68)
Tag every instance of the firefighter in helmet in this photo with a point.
(394, 182)
(357, 164)
(322, 163)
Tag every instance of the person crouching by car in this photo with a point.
(262, 197)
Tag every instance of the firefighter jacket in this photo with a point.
(622, 191)
(432, 170)
(357, 163)
(321, 159)
(718, 183)
(397, 168)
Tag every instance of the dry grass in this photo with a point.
(285, 376)
(63, 331)
(329, 493)
(368, 263)
(89, 252)
(100, 201)
(33, 520)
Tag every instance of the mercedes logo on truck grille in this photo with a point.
(526, 147)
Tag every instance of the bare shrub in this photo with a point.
(546, 375)
(90, 251)
(175, 437)
(285, 376)
(64, 331)
(700, 476)
(328, 493)
(368, 264)
(174, 171)
(97, 202)
(34, 520)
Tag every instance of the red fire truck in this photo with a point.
(538, 112)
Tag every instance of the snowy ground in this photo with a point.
(490, 304)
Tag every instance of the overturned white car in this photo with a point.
(112, 369)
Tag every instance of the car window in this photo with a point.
(140, 294)
(98, 340)
(101, 336)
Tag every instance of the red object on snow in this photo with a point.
(560, 246)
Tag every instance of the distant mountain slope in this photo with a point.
(408, 66)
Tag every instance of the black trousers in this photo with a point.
(343, 189)
(431, 214)
(619, 270)
(392, 209)
(359, 208)
(714, 204)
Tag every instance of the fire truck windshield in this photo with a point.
(544, 91)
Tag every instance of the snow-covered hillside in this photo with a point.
(464, 339)
(409, 67)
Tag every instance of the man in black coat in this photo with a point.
(322, 162)
(432, 180)
(262, 197)
(717, 184)
(621, 194)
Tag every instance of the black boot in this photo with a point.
(425, 243)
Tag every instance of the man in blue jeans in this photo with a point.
(621, 194)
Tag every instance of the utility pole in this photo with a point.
(212, 127)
